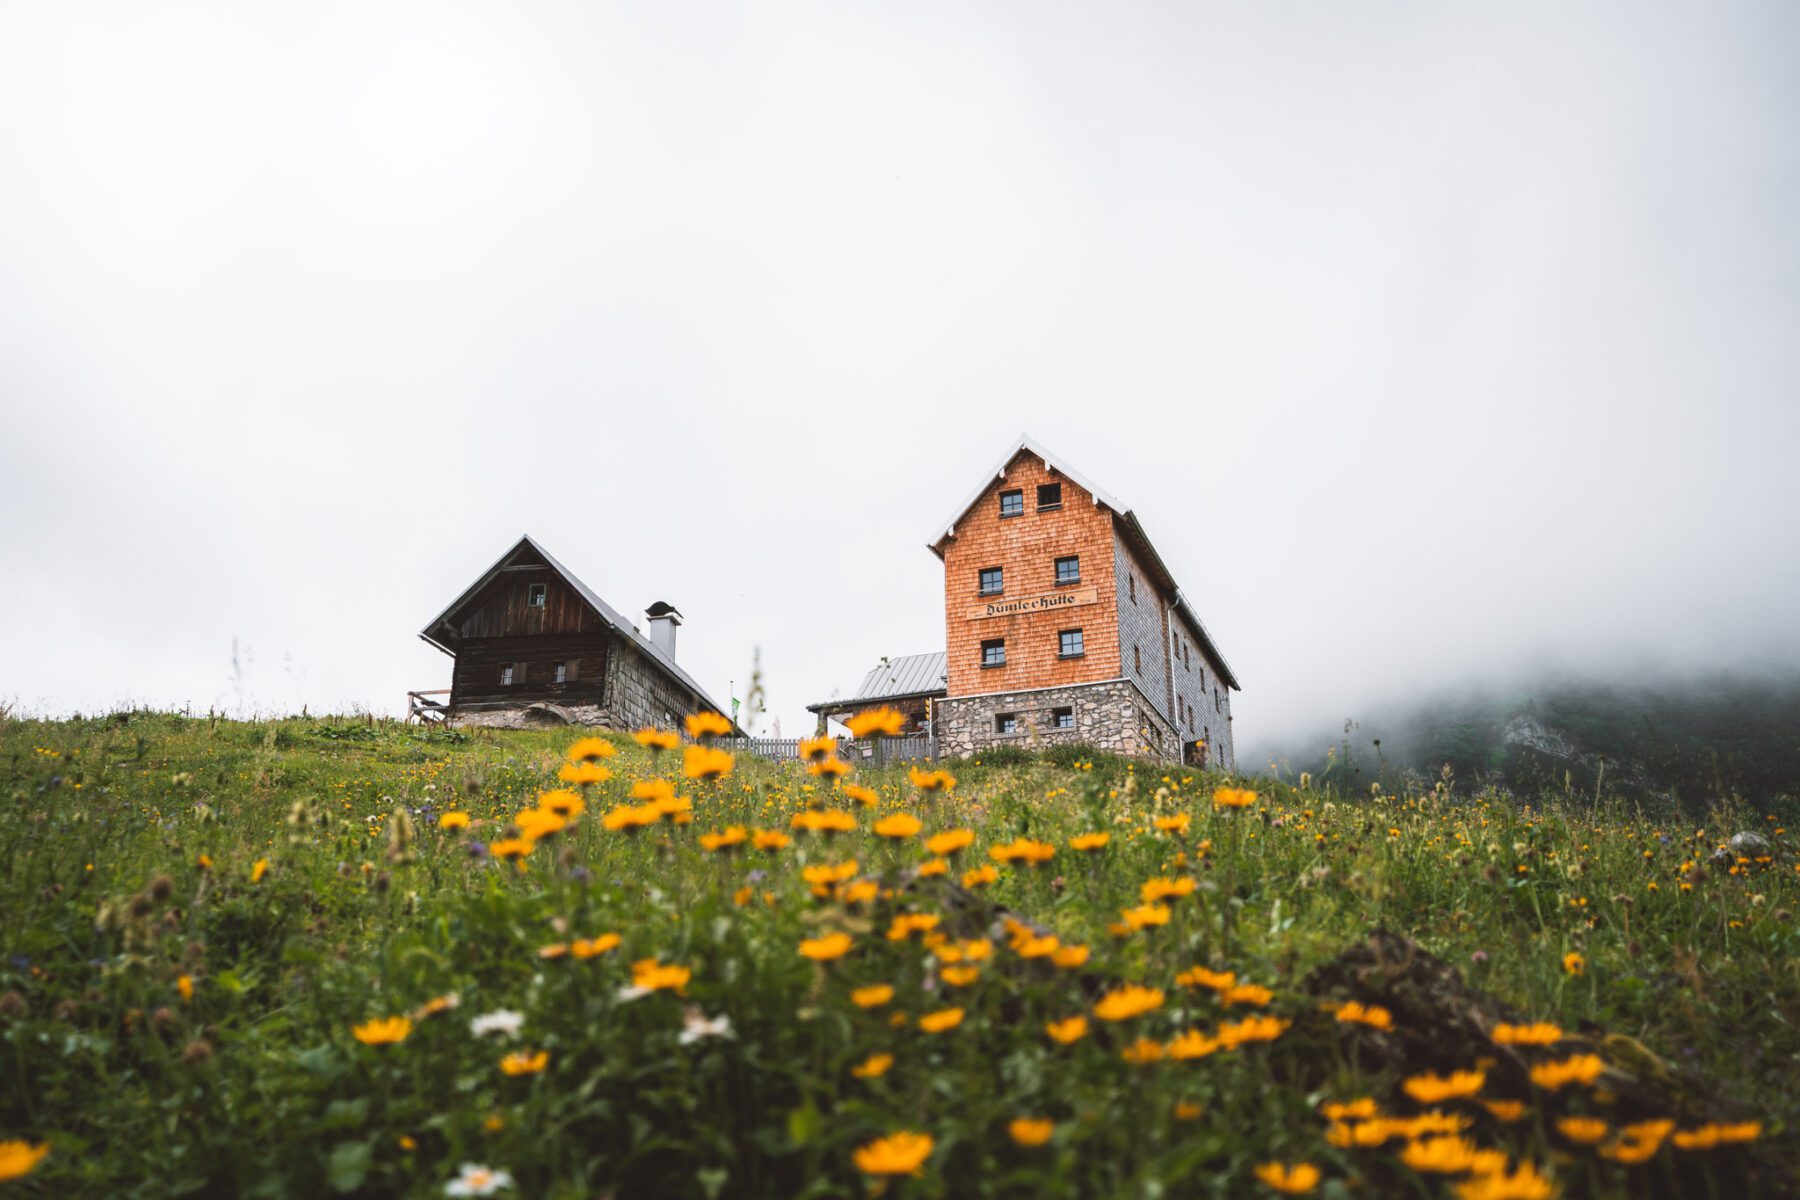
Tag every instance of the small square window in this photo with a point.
(1068, 570)
(1006, 723)
(1071, 643)
(1062, 718)
(562, 672)
(993, 652)
(1049, 496)
(506, 674)
(1012, 504)
(993, 581)
(534, 594)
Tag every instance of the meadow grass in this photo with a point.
(209, 928)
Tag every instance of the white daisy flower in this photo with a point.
(502, 1021)
(696, 1026)
(476, 1180)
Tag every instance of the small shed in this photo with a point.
(909, 683)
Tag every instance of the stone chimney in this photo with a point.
(665, 618)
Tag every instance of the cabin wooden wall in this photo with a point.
(502, 609)
(475, 679)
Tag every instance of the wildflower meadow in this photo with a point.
(316, 957)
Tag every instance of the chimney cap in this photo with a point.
(663, 609)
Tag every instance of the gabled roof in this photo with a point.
(896, 679)
(607, 613)
(1129, 524)
(999, 472)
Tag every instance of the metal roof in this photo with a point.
(892, 678)
(610, 615)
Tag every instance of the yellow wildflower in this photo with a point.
(825, 949)
(948, 843)
(1129, 1001)
(591, 749)
(898, 826)
(19, 1158)
(931, 781)
(1291, 1179)
(1579, 1068)
(896, 1154)
(704, 762)
(1430, 1088)
(876, 721)
(1372, 1015)
(873, 1067)
(656, 739)
(707, 724)
(941, 1020)
(522, 1063)
(583, 774)
(1585, 1130)
(592, 947)
(383, 1031)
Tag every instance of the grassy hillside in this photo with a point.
(262, 960)
(1673, 747)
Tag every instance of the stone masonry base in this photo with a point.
(529, 716)
(1107, 716)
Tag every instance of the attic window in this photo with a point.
(1012, 504)
(534, 594)
(1049, 496)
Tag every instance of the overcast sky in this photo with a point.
(1429, 342)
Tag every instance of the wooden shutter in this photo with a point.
(574, 671)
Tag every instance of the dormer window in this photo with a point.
(535, 594)
(1012, 504)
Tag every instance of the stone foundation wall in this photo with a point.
(1108, 716)
(529, 716)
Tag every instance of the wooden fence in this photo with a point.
(871, 752)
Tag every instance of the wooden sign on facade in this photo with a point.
(1001, 606)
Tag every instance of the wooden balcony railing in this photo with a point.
(421, 708)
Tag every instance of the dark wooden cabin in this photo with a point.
(533, 644)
